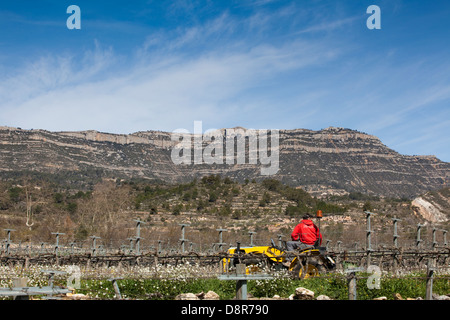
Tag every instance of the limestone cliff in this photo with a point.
(434, 206)
(332, 160)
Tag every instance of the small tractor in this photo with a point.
(308, 262)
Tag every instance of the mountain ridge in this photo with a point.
(328, 161)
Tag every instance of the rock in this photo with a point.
(323, 297)
(76, 296)
(186, 296)
(439, 297)
(303, 294)
(397, 296)
(211, 295)
(428, 210)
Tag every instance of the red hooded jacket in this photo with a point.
(307, 232)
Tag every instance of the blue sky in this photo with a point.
(263, 64)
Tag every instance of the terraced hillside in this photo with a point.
(330, 161)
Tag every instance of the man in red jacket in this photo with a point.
(305, 234)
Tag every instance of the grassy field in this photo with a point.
(165, 283)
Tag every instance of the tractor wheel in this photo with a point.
(312, 268)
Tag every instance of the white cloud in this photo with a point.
(162, 89)
(232, 71)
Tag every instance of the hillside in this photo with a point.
(112, 203)
(37, 209)
(434, 206)
(326, 162)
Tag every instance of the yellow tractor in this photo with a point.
(309, 262)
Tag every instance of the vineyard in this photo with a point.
(132, 241)
(158, 274)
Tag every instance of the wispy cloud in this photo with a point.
(329, 25)
(18, 20)
(147, 96)
(53, 72)
(292, 66)
(165, 87)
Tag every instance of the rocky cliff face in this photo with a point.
(434, 206)
(343, 159)
(332, 160)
